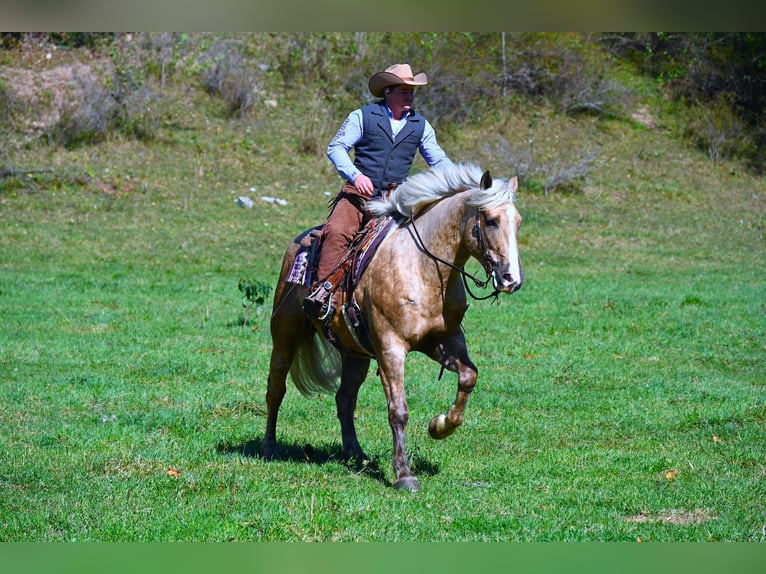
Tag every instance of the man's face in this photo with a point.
(401, 97)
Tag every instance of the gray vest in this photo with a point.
(377, 155)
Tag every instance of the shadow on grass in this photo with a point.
(324, 454)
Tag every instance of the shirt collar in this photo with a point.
(391, 115)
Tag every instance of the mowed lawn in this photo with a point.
(620, 397)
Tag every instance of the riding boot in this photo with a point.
(318, 302)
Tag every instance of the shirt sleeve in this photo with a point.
(347, 137)
(430, 149)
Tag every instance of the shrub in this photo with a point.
(86, 116)
(161, 51)
(80, 39)
(139, 113)
(8, 105)
(560, 71)
(582, 88)
(9, 40)
(717, 128)
(719, 74)
(562, 170)
(227, 74)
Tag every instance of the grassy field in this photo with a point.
(620, 396)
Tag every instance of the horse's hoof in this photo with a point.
(407, 483)
(355, 456)
(269, 453)
(438, 428)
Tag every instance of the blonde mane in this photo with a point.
(423, 189)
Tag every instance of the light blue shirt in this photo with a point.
(351, 132)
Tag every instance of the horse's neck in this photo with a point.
(441, 229)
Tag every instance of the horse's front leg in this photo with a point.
(391, 368)
(452, 353)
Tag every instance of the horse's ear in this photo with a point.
(513, 184)
(486, 180)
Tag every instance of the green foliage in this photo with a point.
(718, 129)
(709, 69)
(80, 39)
(228, 74)
(576, 74)
(254, 292)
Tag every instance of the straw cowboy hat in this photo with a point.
(395, 75)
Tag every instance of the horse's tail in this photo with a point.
(317, 367)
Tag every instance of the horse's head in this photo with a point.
(496, 231)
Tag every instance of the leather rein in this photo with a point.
(479, 232)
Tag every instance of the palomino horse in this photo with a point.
(412, 298)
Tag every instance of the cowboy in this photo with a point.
(385, 136)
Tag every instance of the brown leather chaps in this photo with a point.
(347, 217)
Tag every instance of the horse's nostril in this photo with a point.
(508, 278)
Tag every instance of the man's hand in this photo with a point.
(364, 185)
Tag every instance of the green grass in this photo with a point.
(620, 396)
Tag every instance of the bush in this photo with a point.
(719, 74)
(228, 75)
(560, 71)
(80, 39)
(562, 171)
(718, 129)
(86, 117)
(8, 105)
(139, 113)
(582, 88)
(548, 157)
(93, 110)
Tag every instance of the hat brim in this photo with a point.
(382, 80)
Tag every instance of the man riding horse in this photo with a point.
(385, 137)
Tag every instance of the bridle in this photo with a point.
(478, 231)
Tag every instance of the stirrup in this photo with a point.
(317, 303)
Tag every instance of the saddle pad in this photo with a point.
(306, 245)
(297, 272)
(380, 230)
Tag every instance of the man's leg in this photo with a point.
(343, 223)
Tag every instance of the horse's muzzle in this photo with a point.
(505, 281)
(509, 285)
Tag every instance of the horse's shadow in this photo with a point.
(324, 454)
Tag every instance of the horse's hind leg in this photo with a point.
(452, 353)
(353, 375)
(289, 329)
(275, 392)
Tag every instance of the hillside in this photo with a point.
(206, 118)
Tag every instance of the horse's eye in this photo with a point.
(491, 222)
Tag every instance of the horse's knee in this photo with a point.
(398, 415)
(467, 378)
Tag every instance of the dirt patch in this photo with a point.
(45, 93)
(644, 117)
(679, 517)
